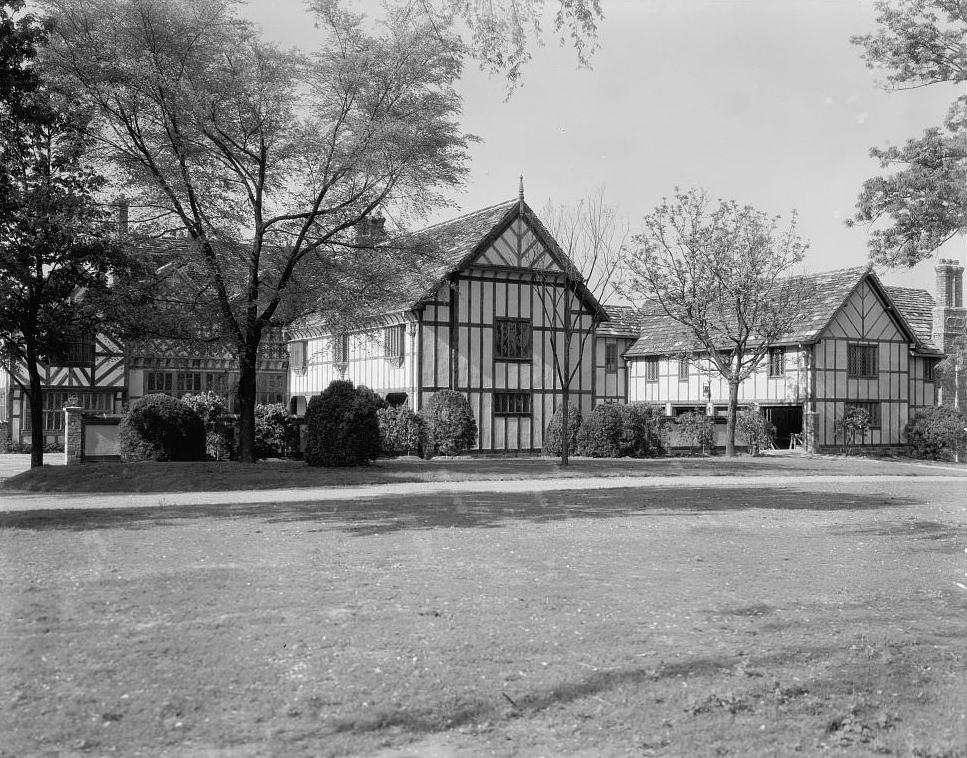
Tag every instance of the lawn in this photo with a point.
(823, 620)
(222, 476)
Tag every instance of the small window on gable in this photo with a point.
(512, 339)
(777, 361)
(78, 352)
(340, 348)
(861, 361)
(611, 357)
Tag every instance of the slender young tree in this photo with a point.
(56, 257)
(265, 159)
(921, 201)
(591, 236)
(722, 271)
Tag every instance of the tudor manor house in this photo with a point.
(479, 325)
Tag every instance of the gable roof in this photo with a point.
(453, 245)
(827, 291)
(459, 241)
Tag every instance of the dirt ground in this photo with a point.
(822, 618)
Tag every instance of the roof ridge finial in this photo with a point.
(520, 196)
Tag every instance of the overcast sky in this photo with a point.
(761, 101)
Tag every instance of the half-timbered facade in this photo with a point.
(858, 344)
(488, 325)
(92, 370)
(170, 367)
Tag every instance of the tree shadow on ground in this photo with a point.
(470, 510)
(472, 710)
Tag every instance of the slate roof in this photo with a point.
(660, 334)
(917, 308)
(622, 322)
(454, 241)
(452, 245)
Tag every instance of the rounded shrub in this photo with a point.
(553, 435)
(642, 431)
(937, 433)
(161, 428)
(601, 432)
(400, 430)
(341, 427)
(449, 425)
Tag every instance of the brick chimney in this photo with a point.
(371, 230)
(121, 218)
(949, 315)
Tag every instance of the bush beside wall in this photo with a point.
(341, 427)
(449, 425)
(161, 428)
(400, 430)
(619, 431)
(937, 433)
(553, 434)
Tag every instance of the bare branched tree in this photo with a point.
(573, 287)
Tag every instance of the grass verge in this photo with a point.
(226, 476)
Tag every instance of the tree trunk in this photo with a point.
(730, 424)
(36, 395)
(246, 402)
(565, 432)
(566, 398)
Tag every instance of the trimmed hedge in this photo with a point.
(613, 430)
(341, 427)
(449, 425)
(161, 428)
(937, 433)
(553, 436)
(400, 430)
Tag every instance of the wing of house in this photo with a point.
(858, 343)
(478, 323)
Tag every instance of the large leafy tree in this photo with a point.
(921, 202)
(266, 159)
(722, 271)
(55, 256)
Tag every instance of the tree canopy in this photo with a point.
(56, 253)
(264, 160)
(921, 202)
(722, 271)
(502, 32)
